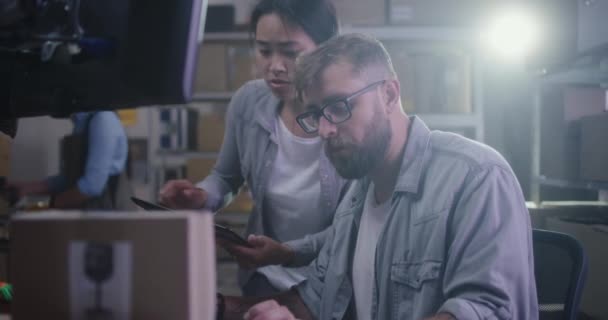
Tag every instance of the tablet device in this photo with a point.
(220, 231)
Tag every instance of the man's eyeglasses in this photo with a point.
(335, 112)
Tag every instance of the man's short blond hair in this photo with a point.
(359, 50)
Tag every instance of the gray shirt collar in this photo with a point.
(413, 164)
(417, 151)
(266, 116)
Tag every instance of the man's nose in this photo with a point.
(327, 129)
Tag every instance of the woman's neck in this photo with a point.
(288, 114)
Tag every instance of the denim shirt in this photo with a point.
(457, 239)
(248, 154)
(106, 155)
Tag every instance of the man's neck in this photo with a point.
(387, 172)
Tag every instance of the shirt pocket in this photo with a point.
(415, 284)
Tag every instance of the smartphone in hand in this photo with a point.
(220, 231)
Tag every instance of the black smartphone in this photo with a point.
(220, 231)
(148, 206)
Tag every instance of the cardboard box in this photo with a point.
(197, 169)
(162, 265)
(210, 131)
(211, 75)
(361, 12)
(580, 102)
(594, 148)
(241, 67)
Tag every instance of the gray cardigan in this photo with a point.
(248, 153)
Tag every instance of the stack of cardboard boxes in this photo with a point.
(223, 66)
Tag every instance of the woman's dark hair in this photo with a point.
(316, 17)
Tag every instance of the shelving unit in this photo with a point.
(463, 38)
(593, 72)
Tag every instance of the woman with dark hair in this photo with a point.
(294, 186)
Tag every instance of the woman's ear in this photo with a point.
(392, 95)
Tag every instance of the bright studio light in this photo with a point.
(512, 34)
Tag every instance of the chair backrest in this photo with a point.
(560, 265)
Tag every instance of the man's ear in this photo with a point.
(392, 95)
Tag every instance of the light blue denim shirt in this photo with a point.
(248, 154)
(457, 239)
(106, 155)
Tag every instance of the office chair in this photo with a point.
(560, 265)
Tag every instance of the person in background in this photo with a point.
(434, 225)
(294, 187)
(93, 161)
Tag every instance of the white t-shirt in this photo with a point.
(292, 197)
(372, 220)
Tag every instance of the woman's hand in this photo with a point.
(264, 251)
(182, 194)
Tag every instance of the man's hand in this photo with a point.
(265, 251)
(269, 310)
(182, 194)
(259, 308)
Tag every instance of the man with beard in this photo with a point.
(434, 225)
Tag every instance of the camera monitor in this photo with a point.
(62, 56)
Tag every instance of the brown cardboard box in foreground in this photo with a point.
(144, 265)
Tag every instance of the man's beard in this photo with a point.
(365, 157)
